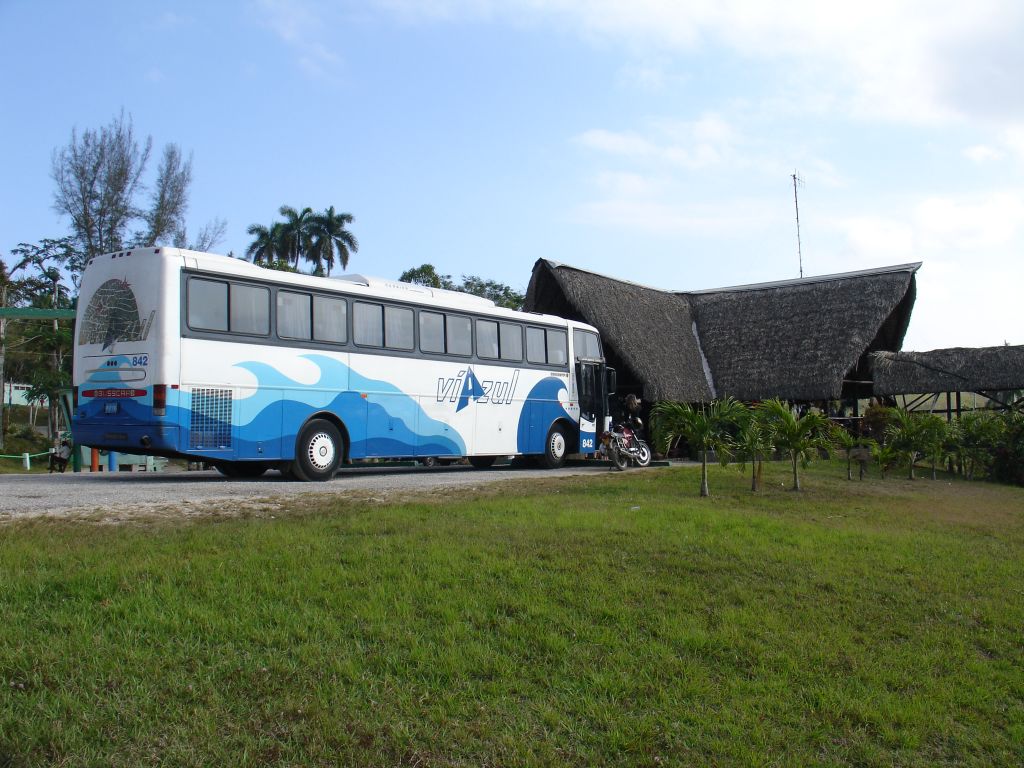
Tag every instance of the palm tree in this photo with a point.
(267, 247)
(799, 436)
(330, 240)
(296, 236)
(753, 441)
(705, 427)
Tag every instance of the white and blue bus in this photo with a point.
(187, 354)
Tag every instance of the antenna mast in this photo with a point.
(796, 204)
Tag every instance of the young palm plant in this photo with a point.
(842, 439)
(905, 435)
(799, 436)
(887, 457)
(705, 427)
(753, 442)
(935, 440)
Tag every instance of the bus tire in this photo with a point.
(556, 448)
(318, 451)
(242, 469)
(482, 462)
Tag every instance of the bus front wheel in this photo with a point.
(318, 451)
(556, 448)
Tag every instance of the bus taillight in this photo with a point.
(159, 399)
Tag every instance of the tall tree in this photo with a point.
(165, 219)
(296, 235)
(501, 294)
(98, 175)
(43, 287)
(99, 180)
(331, 240)
(426, 274)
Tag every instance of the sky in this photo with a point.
(650, 140)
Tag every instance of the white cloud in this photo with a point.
(968, 288)
(708, 141)
(982, 153)
(915, 60)
(301, 24)
(627, 144)
(677, 218)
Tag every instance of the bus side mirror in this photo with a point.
(611, 380)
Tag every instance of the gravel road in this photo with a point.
(120, 496)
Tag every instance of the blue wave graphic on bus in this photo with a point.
(542, 408)
(390, 423)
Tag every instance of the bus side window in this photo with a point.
(368, 324)
(249, 309)
(432, 332)
(487, 339)
(459, 335)
(536, 349)
(330, 319)
(293, 315)
(207, 305)
(558, 351)
(511, 341)
(398, 324)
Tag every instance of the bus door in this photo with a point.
(590, 389)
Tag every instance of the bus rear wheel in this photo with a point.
(318, 451)
(556, 448)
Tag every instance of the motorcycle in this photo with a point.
(622, 444)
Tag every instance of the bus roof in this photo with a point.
(351, 284)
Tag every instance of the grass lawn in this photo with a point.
(617, 620)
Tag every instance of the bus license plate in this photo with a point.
(110, 408)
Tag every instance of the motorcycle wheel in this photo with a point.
(643, 454)
(619, 458)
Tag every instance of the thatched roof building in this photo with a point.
(804, 339)
(959, 369)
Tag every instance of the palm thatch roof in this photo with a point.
(958, 369)
(796, 339)
(647, 330)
